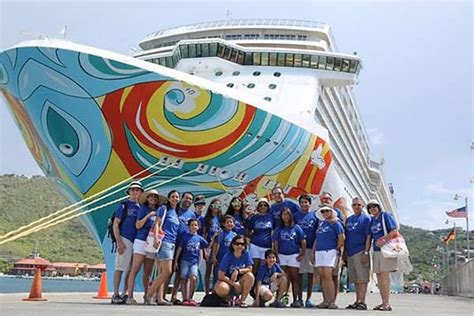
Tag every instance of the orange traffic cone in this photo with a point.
(36, 288)
(103, 293)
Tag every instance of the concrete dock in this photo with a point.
(82, 304)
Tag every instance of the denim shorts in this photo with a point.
(166, 251)
(188, 269)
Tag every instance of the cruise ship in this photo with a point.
(236, 106)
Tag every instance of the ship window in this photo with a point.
(314, 61)
(330, 63)
(289, 60)
(236, 73)
(297, 60)
(227, 52)
(162, 62)
(192, 51)
(175, 60)
(169, 62)
(268, 99)
(272, 86)
(240, 58)
(306, 59)
(205, 50)
(256, 73)
(220, 50)
(338, 64)
(218, 73)
(256, 59)
(353, 66)
(273, 59)
(248, 59)
(264, 59)
(251, 85)
(345, 65)
(281, 59)
(198, 50)
(322, 62)
(213, 49)
(230, 84)
(184, 51)
(277, 74)
(233, 57)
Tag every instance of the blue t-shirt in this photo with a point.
(262, 226)
(224, 240)
(127, 228)
(230, 263)
(264, 273)
(239, 224)
(190, 246)
(212, 228)
(289, 239)
(376, 228)
(327, 235)
(276, 208)
(170, 225)
(357, 229)
(184, 216)
(142, 233)
(200, 219)
(309, 223)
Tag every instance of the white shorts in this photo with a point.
(257, 252)
(139, 248)
(272, 287)
(289, 260)
(326, 258)
(124, 261)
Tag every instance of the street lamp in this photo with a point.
(458, 197)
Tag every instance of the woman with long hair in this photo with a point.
(236, 210)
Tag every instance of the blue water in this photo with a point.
(17, 285)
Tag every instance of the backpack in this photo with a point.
(213, 300)
(110, 225)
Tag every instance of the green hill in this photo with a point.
(24, 200)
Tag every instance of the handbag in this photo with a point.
(395, 247)
(150, 239)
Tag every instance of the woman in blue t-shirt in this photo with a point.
(326, 250)
(235, 272)
(382, 228)
(149, 201)
(167, 220)
(290, 245)
(236, 210)
(259, 230)
(211, 226)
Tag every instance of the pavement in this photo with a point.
(82, 304)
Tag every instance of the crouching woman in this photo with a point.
(235, 276)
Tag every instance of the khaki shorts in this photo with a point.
(124, 261)
(335, 271)
(306, 266)
(382, 264)
(358, 272)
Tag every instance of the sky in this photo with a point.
(415, 92)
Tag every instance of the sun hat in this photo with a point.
(200, 200)
(134, 184)
(144, 196)
(319, 212)
(263, 200)
(374, 202)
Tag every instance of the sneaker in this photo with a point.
(309, 304)
(278, 304)
(332, 306)
(124, 298)
(262, 303)
(285, 299)
(297, 304)
(116, 299)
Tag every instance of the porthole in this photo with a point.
(272, 86)
(218, 73)
(267, 99)
(256, 73)
(251, 85)
(236, 73)
(230, 84)
(277, 74)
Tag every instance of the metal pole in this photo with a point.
(467, 229)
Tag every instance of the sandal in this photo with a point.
(131, 301)
(383, 308)
(361, 306)
(243, 305)
(352, 306)
(176, 302)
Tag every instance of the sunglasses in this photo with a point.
(239, 244)
(262, 204)
(216, 206)
(356, 204)
(235, 203)
(325, 211)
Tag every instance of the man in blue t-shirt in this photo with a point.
(356, 252)
(280, 203)
(124, 232)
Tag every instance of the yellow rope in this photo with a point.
(64, 212)
(56, 221)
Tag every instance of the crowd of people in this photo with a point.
(258, 253)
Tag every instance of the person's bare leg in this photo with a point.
(328, 284)
(207, 277)
(165, 271)
(136, 265)
(295, 284)
(192, 286)
(117, 279)
(147, 270)
(282, 283)
(309, 289)
(383, 281)
(246, 281)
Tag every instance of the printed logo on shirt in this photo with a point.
(306, 224)
(263, 224)
(323, 229)
(288, 235)
(352, 225)
(376, 228)
(192, 245)
(234, 267)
